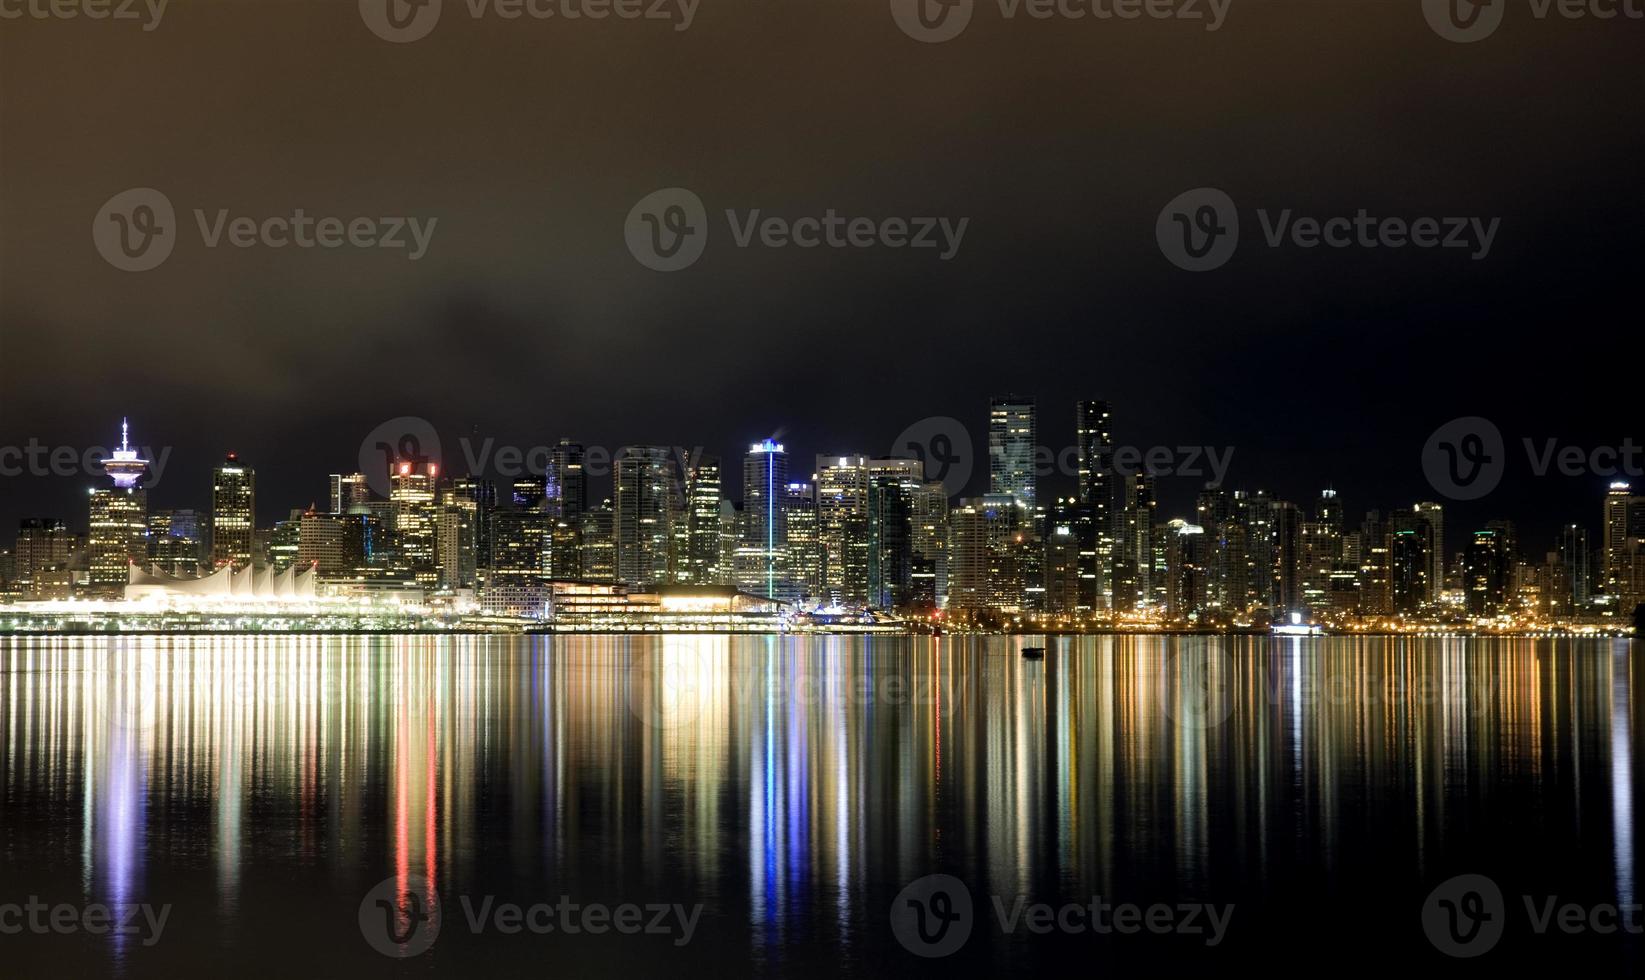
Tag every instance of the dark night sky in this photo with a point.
(529, 319)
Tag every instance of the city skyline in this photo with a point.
(863, 532)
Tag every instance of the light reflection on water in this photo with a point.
(793, 785)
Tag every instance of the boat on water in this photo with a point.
(1033, 653)
(1296, 627)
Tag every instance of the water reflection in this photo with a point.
(793, 785)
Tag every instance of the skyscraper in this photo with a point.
(805, 562)
(1485, 573)
(890, 537)
(1012, 436)
(1099, 522)
(567, 479)
(1623, 547)
(762, 550)
(702, 524)
(1577, 563)
(842, 527)
(416, 521)
(233, 513)
(347, 490)
(647, 482)
(1434, 516)
(119, 521)
(456, 532)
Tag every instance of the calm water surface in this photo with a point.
(792, 787)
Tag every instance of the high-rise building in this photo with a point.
(1012, 437)
(805, 560)
(567, 479)
(1133, 563)
(985, 555)
(347, 490)
(43, 545)
(597, 543)
(1577, 564)
(1187, 562)
(284, 540)
(415, 521)
(323, 544)
(529, 492)
(484, 494)
(702, 523)
(930, 545)
(762, 548)
(1408, 558)
(1623, 547)
(1060, 568)
(233, 513)
(1486, 573)
(1376, 577)
(891, 536)
(647, 484)
(1433, 515)
(1097, 493)
(842, 527)
(118, 532)
(1256, 513)
(455, 534)
(520, 547)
